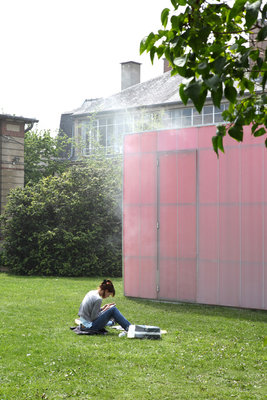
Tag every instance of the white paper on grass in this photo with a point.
(131, 331)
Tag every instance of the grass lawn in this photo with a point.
(208, 352)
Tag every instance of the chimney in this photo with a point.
(166, 67)
(130, 74)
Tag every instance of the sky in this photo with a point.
(57, 53)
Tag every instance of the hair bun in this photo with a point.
(107, 285)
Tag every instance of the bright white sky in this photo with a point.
(57, 53)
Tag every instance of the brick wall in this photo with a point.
(11, 157)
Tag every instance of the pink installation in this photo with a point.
(194, 226)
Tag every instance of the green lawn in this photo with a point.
(208, 352)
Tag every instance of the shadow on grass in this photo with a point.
(203, 309)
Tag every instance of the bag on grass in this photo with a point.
(144, 332)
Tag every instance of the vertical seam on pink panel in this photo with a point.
(177, 228)
(139, 227)
(157, 221)
(197, 223)
(240, 225)
(218, 232)
(263, 224)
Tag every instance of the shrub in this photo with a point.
(68, 225)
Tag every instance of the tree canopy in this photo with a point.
(43, 155)
(219, 48)
(66, 225)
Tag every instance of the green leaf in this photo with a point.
(264, 13)
(216, 96)
(196, 93)
(236, 132)
(202, 66)
(220, 143)
(262, 34)
(234, 46)
(215, 144)
(182, 93)
(254, 54)
(160, 51)
(152, 53)
(221, 130)
(219, 64)
(164, 16)
(180, 61)
(213, 82)
(230, 93)
(264, 80)
(236, 9)
(149, 41)
(176, 21)
(259, 132)
(142, 47)
(174, 3)
(252, 10)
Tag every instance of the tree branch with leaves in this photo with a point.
(220, 51)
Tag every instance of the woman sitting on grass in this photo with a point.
(94, 317)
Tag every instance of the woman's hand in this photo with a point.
(107, 306)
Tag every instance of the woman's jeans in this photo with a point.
(105, 316)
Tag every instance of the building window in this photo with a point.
(108, 131)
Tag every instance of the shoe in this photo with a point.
(124, 333)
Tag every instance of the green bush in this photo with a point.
(68, 225)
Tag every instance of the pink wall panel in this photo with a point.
(187, 280)
(132, 143)
(131, 230)
(168, 279)
(208, 232)
(167, 140)
(168, 231)
(148, 176)
(168, 178)
(205, 134)
(229, 232)
(248, 138)
(208, 177)
(229, 172)
(131, 276)
(265, 176)
(186, 169)
(252, 234)
(147, 283)
(131, 186)
(148, 231)
(251, 174)
(207, 282)
(213, 252)
(251, 285)
(148, 142)
(265, 236)
(187, 138)
(187, 231)
(265, 230)
(229, 283)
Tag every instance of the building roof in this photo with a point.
(17, 118)
(161, 90)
